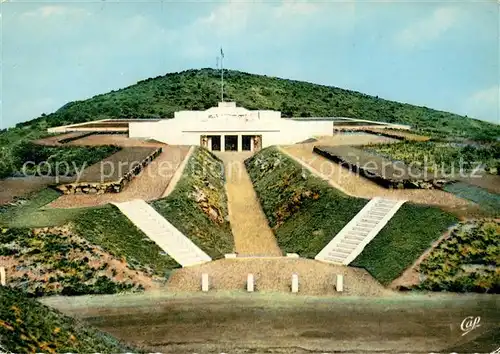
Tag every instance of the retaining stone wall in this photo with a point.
(108, 187)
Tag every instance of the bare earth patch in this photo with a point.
(275, 274)
(251, 231)
(150, 184)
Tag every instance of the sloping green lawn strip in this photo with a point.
(410, 232)
(303, 210)
(27, 213)
(305, 225)
(109, 228)
(205, 172)
(489, 201)
(29, 326)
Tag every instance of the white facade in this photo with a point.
(228, 127)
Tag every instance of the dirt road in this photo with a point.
(252, 234)
(279, 323)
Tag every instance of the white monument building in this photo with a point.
(229, 128)
(223, 128)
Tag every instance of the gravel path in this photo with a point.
(150, 184)
(275, 275)
(251, 231)
(178, 173)
(356, 185)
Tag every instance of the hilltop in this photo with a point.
(161, 96)
(200, 89)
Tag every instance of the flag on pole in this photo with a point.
(221, 52)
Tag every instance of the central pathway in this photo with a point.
(251, 232)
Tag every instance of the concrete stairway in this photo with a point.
(353, 238)
(164, 234)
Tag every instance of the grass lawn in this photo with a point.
(306, 213)
(114, 232)
(29, 212)
(105, 226)
(28, 326)
(405, 237)
(487, 200)
(197, 206)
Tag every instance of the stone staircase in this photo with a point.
(163, 233)
(353, 238)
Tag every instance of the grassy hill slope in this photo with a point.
(199, 89)
(197, 206)
(28, 326)
(305, 213)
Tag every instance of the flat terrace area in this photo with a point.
(109, 123)
(377, 130)
(114, 167)
(16, 187)
(97, 139)
(381, 170)
(285, 323)
(150, 184)
(114, 139)
(355, 185)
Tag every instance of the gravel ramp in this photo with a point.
(251, 231)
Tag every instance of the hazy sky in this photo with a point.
(443, 55)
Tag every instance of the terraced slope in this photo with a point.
(197, 206)
(358, 186)
(306, 212)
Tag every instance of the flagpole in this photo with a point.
(222, 75)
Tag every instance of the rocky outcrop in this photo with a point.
(109, 187)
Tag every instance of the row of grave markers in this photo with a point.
(251, 283)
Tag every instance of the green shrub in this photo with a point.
(28, 326)
(467, 261)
